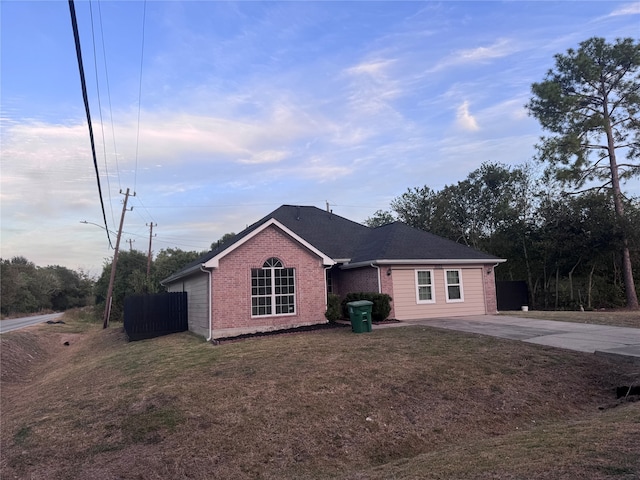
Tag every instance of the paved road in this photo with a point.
(17, 323)
(583, 337)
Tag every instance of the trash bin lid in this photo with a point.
(360, 303)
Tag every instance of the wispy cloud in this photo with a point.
(266, 156)
(629, 9)
(372, 86)
(375, 68)
(464, 119)
(500, 48)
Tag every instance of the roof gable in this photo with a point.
(213, 262)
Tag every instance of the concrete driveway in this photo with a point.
(599, 339)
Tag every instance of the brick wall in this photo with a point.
(491, 302)
(232, 285)
(386, 284)
(363, 279)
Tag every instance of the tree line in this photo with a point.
(566, 247)
(27, 288)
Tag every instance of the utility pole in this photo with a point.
(107, 308)
(131, 244)
(149, 255)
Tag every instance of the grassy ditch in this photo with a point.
(409, 402)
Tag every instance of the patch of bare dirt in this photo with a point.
(23, 353)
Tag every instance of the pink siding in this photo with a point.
(476, 292)
(231, 285)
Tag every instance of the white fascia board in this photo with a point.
(427, 261)
(215, 261)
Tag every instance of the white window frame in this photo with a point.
(430, 285)
(275, 292)
(459, 284)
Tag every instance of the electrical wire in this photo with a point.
(151, 219)
(106, 74)
(135, 174)
(104, 143)
(76, 36)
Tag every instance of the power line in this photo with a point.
(104, 143)
(106, 74)
(145, 208)
(144, 14)
(83, 83)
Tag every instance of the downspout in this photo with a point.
(209, 308)
(379, 281)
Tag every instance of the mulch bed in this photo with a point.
(286, 331)
(292, 331)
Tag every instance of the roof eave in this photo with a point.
(185, 273)
(426, 261)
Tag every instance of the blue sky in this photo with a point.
(232, 109)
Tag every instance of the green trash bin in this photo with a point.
(360, 315)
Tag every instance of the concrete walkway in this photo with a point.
(621, 342)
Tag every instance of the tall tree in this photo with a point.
(169, 261)
(379, 218)
(589, 104)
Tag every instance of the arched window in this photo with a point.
(273, 289)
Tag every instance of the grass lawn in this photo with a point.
(398, 403)
(616, 318)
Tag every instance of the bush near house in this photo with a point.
(381, 304)
(334, 309)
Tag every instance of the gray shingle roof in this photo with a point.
(398, 241)
(343, 239)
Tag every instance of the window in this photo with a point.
(272, 289)
(329, 282)
(424, 286)
(453, 282)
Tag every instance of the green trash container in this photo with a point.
(360, 315)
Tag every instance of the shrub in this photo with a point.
(381, 304)
(334, 310)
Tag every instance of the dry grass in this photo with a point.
(410, 402)
(616, 318)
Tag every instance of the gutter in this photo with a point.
(209, 308)
(425, 261)
(379, 282)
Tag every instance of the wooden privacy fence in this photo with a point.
(148, 316)
(512, 295)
